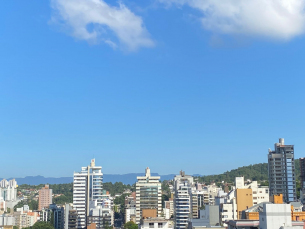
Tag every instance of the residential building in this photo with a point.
(58, 214)
(7, 220)
(45, 197)
(130, 208)
(148, 194)
(100, 215)
(80, 196)
(87, 186)
(25, 217)
(157, 222)
(70, 217)
(8, 190)
(242, 197)
(183, 185)
(281, 171)
(168, 209)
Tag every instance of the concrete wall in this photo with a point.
(275, 216)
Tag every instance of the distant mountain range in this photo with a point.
(129, 178)
(258, 172)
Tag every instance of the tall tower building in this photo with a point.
(148, 196)
(183, 200)
(281, 171)
(87, 186)
(45, 197)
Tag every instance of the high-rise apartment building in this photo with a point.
(281, 171)
(148, 194)
(183, 200)
(8, 190)
(87, 186)
(45, 197)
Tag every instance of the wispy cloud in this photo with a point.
(95, 20)
(275, 19)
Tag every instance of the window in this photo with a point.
(151, 225)
(160, 225)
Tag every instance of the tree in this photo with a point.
(106, 226)
(130, 225)
(42, 225)
(164, 198)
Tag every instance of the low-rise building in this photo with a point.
(158, 222)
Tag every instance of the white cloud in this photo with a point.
(92, 20)
(276, 19)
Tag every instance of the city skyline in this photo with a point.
(178, 91)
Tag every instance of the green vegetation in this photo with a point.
(120, 201)
(33, 204)
(65, 189)
(117, 187)
(41, 225)
(256, 172)
(130, 225)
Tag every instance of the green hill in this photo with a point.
(256, 172)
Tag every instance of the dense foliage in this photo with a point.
(41, 225)
(130, 225)
(117, 187)
(33, 204)
(65, 189)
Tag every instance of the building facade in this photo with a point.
(183, 200)
(8, 190)
(87, 186)
(45, 197)
(281, 171)
(148, 194)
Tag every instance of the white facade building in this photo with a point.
(183, 200)
(155, 223)
(8, 190)
(87, 186)
(7, 220)
(80, 196)
(275, 216)
(168, 210)
(129, 212)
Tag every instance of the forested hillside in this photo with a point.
(256, 172)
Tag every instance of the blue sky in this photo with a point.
(167, 84)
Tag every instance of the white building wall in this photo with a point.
(275, 216)
(155, 224)
(80, 196)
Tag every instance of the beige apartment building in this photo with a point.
(45, 197)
